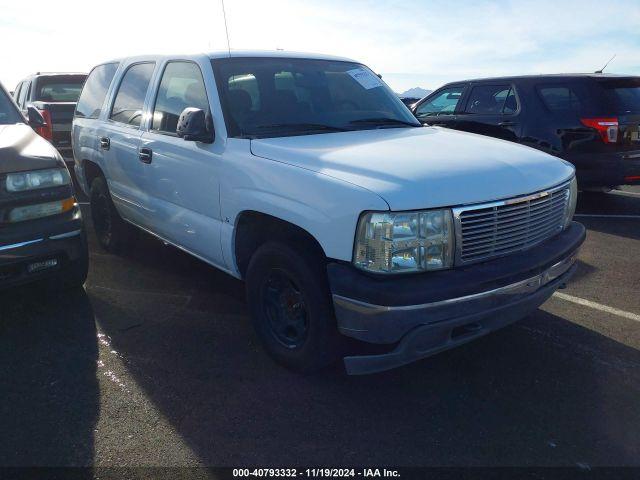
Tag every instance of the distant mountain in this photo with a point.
(415, 92)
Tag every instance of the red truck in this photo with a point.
(55, 96)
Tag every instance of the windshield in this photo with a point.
(271, 97)
(8, 112)
(59, 88)
(623, 95)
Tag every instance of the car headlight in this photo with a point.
(403, 242)
(571, 204)
(36, 179)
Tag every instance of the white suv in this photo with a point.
(308, 178)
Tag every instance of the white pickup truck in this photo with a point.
(308, 178)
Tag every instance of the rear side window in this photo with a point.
(442, 103)
(129, 101)
(181, 86)
(60, 88)
(26, 88)
(16, 92)
(95, 90)
(491, 99)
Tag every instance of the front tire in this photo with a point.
(291, 308)
(112, 231)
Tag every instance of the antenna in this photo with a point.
(606, 64)
(226, 28)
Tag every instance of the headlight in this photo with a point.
(36, 179)
(402, 242)
(571, 204)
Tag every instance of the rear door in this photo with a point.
(492, 109)
(182, 177)
(440, 108)
(119, 139)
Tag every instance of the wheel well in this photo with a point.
(91, 172)
(254, 229)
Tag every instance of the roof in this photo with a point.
(547, 75)
(238, 54)
(53, 74)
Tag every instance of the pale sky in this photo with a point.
(411, 43)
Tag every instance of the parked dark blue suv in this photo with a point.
(591, 120)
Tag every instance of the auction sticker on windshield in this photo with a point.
(365, 78)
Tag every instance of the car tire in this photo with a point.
(291, 309)
(112, 231)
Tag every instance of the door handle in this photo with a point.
(507, 124)
(145, 155)
(105, 143)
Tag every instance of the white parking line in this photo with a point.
(83, 203)
(598, 215)
(597, 306)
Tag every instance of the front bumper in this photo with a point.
(61, 238)
(432, 312)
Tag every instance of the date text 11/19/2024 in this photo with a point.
(316, 472)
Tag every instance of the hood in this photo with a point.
(23, 149)
(412, 168)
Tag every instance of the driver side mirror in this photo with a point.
(195, 125)
(36, 120)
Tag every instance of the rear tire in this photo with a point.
(112, 231)
(291, 308)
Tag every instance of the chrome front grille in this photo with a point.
(499, 228)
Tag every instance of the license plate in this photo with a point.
(44, 265)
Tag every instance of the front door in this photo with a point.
(183, 177)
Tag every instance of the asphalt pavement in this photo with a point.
(155, 363)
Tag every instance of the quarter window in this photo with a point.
(491, 99)
(95, 90)
(129, 101)
(182, 86)
(443, 103)
(560, 98)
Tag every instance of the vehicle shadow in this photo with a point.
(50, 398)
(545, 391)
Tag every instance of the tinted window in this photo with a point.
(181, 86)
(95, 90)
(270, 97)
(489, 99)
(8, 112)
(442, 103)
(61, 88)
(16, 92)
(26, 88)
(573, 98)
(623, 95)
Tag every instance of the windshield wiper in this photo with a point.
(383, 121)
(303, 126)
